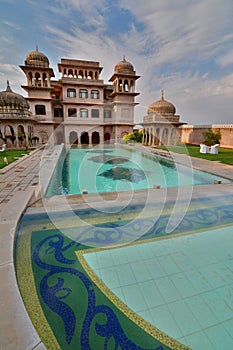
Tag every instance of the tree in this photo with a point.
(212, 138)
(135, 136)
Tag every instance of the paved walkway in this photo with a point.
(19, 175)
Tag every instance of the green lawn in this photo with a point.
(12, 156)
(224, 155)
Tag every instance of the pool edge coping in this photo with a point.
(15, 323)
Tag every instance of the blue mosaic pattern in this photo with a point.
(54, 296)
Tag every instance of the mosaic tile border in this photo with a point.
(27, 287)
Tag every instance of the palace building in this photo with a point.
(80, 106)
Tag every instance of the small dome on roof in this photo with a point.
(37, 58)
(124, 67)
(10, 98)
(162, 107)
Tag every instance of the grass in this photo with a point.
(11, 155)
(224, 155)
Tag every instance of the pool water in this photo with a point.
(112, 169)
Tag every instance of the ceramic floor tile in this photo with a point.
(151, 294)
(198, 341)
(163, 320)
(140, 271)
(218, 305)
(146, 315)
(134, 298)
(119, 293)
(228, 326)
(201, 311)
(198, 281)
(109, 277)
(184, 317)
(168, 265)
(125, 275)
(212, 275)
(219, 338)
(92, 260)
(182, 261)
(105, 259)
(183, 285)
(119, 256)
(167, 289)
(154, 268)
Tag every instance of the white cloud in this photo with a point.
(12, 25)
(183, 47)
(179, 30)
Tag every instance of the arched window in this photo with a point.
(37, 79)
(70, 73)
(126, 86)
(44, 82)
(40, 109)
(83, 113)
(90, 75)
(71, 93)
(80, 74)
(84, 138)
(83, 93)
(120, 86)
(95, 94)
(95, 137)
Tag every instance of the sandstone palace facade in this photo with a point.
(79, 108)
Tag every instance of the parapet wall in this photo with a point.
(194, 134)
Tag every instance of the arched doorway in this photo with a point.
(73, 138)
(84, 138)
(9, 134)
(107, 137)
(21, 134)
(95, 138)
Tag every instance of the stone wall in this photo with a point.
(194, 134)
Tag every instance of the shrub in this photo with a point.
(135, 136)
(211, 138)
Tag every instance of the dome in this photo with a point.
(124, 67)
(162, 107)
(37, 58)
(10, 98)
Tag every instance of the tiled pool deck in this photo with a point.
(16, 331)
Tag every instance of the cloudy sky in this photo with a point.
(184, 47)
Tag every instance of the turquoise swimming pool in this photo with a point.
(113, 169)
